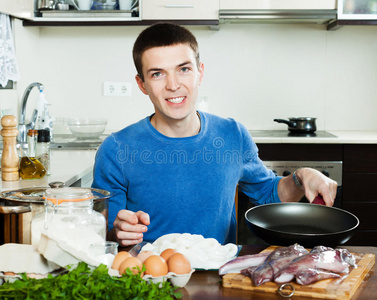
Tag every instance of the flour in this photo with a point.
(69, 230)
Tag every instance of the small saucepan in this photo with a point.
(299, 125)
(307, 224)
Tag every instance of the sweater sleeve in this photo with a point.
(108, 175)
(257, 182)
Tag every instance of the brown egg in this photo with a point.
(167, 253)
(119, 258)
(179, 264)
(133, 263)
(156, 266)
(143, 255)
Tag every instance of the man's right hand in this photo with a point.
(129, 227)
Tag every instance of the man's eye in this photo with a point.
(185, 69)
(156, 74)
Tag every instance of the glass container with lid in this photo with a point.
(69, 217)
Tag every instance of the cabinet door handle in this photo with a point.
(179, 6)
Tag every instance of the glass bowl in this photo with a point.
(87, 128)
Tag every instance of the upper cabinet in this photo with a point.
(23, 9)
(144, 12)
(278, 4)
(331, 13)
(180, 10)
(278, 11)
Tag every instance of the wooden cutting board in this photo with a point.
(324, 289)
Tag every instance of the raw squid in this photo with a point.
(249, 271)
(320, 259)
(243, 262)
(310, 275)
(275, 261)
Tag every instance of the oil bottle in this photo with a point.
(30, 167)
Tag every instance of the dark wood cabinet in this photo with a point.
(359, 190)
(301, 152)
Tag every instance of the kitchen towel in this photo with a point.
(8, 61)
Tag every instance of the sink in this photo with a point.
(75, 146)
(69, 142)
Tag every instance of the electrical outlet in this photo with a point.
(125, 89)
(117, 89)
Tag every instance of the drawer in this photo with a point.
(180, 10)
(303, 152)
(359, 187)
(360, 158)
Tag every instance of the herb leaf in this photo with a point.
(83, 283)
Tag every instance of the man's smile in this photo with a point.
(176, 100)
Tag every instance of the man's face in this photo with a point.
(171, 79)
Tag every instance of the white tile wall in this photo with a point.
(253, 73)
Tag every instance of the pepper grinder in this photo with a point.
(9, 158)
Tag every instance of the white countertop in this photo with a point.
(67, 166)
(342, 137)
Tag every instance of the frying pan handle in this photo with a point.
(318, 200)
(289, 123)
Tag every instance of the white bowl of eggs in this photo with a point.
(169, 265)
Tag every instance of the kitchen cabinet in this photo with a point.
(277, 11)
(277, 4)
(180, 10)
(359, 178)
(185, 12)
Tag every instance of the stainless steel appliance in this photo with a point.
(332, 169)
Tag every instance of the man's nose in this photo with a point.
(172, 82)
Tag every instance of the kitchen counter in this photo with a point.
(207, 284)
(341, 137)
(67, 166)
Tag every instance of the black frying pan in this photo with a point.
(307, 224)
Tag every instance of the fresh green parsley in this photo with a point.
(84, 283)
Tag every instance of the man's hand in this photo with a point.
(315, 183)
(129, 227)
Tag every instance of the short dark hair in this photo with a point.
(162, 35)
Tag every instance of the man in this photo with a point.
(177, 170)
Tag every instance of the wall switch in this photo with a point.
(117, 89)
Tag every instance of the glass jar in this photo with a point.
(69, 217)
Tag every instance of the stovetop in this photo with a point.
(286, 133)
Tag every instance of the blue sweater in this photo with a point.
(186, 185)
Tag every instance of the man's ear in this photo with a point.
(201, 71)
(140, 84)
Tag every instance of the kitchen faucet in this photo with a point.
(22, 127)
